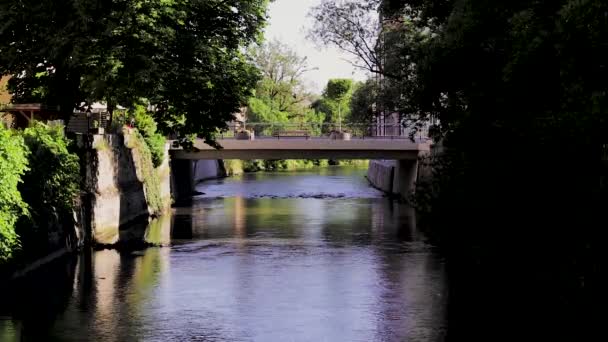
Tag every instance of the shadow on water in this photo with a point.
(93, 296)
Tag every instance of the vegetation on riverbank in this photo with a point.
(144, 162)
(517, 95)
(13, 164)
(235, 167)
(147, 127)
(39, 182)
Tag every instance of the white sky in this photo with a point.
(289, 23)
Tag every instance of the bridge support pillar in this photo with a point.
(182, 178)
(405, 176)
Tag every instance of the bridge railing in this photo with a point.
(326, 130)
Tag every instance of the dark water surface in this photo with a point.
(309, 256)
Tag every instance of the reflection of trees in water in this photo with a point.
(158, 231)
(412, 298)
(409, 270)
(123, 285)
(106, 289)
(182, 225)
(37, 301)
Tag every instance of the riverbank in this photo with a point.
(237, 167)
(115, 182)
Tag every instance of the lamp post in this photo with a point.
(339, 116)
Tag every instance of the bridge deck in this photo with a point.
(401, 149)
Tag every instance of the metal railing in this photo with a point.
(325, 131)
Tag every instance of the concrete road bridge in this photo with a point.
(298, 146)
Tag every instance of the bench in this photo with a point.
(291, 134)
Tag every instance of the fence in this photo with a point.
(315, 130)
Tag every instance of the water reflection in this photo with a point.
(250, 269)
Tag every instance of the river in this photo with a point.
(299, 256)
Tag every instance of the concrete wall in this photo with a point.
(208, 169)
(381, 173)
(114, 186)
(185, 174)
(395, 177)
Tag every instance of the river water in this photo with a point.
(304, 256)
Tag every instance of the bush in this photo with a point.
(13, 164)
(253, 165)
(49, 187)
(296, 164)
(156, 143)
(145, 124)
(233, 167)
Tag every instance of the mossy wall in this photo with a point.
(122, 183)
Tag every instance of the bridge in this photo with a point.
(296, 148)
(287, 146)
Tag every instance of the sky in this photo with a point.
(289, 24)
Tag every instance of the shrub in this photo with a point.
(233, 167)
(156, 143)
(145, 124)
(50, 186)
(13, 164)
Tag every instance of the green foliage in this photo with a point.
(253, 165)
(233, 167)
(13, 164)
(280, 95)
(184, 56)
(145, 124)
(49, 187)
(335, 102)
(281, 86)
(363, 102)
(289, 164)
(337, 89)
(156, 144)
(263, 112)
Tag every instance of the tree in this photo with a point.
(502, 78)
(363, 102)
(335, 100)
(184, 57)
(352, 26)
(281, 96)
(513, 84)
(385, 38)
(282, 70)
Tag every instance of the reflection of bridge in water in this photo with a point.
(286, 143)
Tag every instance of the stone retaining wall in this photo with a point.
(114, 186)
(381, 174)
